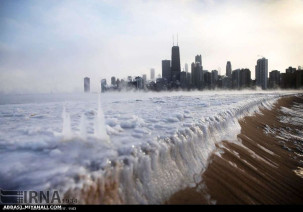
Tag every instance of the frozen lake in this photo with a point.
(153, 143)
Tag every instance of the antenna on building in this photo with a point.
(177, 39)
(173, 41)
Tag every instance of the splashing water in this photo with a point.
(82, 127)
(66, 128)
(100, 129)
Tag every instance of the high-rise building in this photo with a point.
(152, 74)
(236, 79)
(183, 81)
(86, 84)
(166, 72)
(288, 79)
(290, 70)
(228, 69)
(129, 79)
(245, 78)
(139, 82)
(197, 75)
(188, 79)
(262, 73)
(274, 79)
(144, 77)
(113, 81)
(299, 78)
(175, 64)
(207, 79)
(198, 59)
(103, 85)
(214, 78)
(186, 67)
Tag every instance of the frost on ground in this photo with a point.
(151, 144)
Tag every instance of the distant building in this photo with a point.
(152, 74)
(198, 59)
(139, 83)
(241, 78)
(186, 67)
(290, 70)
(188, 80)
(245, 78)
(118, 83)
(274, 79)
(166, 71)
(160, 84)
(197, 75)
(113, 81)
(226, 82)
(86, 85)
(129, 79)
(299, 78)
(235, 75)
(207, 79)
(175, 64)
(261, 70)
(144, 77)
(214, 78)
(103, 85)
(228, 69)
(288, 79)
(183, 79)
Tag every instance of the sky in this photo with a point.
(51, 45)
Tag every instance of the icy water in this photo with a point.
(139, 147)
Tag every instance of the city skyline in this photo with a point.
(200, 79)
(50, 46)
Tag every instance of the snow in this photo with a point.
(153, 143)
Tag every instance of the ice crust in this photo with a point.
(155, 145)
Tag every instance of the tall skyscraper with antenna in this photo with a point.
(175, 62)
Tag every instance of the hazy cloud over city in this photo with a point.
(50, 46)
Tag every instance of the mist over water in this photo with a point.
(100, 129)
(66, 128)
(144, 146)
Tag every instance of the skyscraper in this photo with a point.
(175, 64)
(166, 72)
(236, 79)
(245, 78)
(198, 59)
(197, 75)
(86, 84)
(228, 69)
(152, 74)
(262, 73)
(186, 67)
(103, 85)
(113, 80)
(144, 77)
(214, 78)
(274, 79)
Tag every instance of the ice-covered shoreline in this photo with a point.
(159, 143)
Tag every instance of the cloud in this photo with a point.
(51, 46)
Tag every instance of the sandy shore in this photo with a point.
(258, 170)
